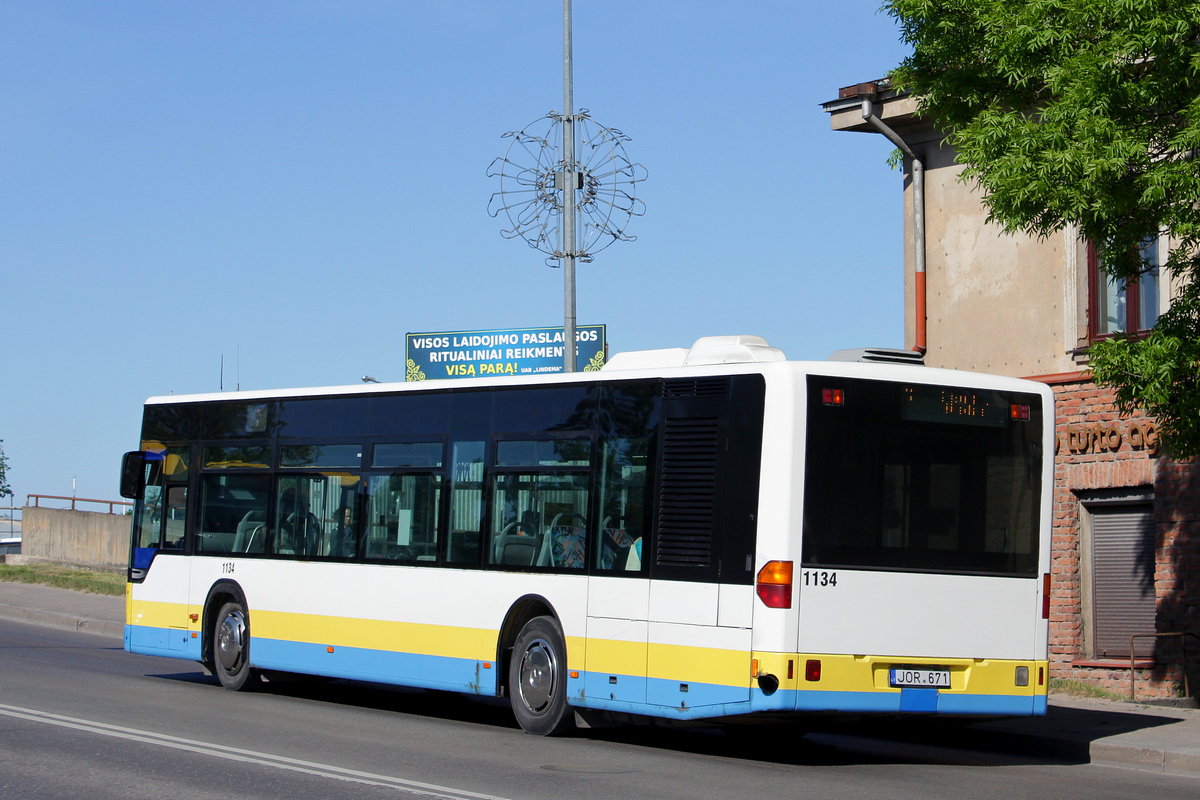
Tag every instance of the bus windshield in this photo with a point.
(922, 478)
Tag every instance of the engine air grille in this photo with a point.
(696, 387)
(687, 491)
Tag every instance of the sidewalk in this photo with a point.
(1088, 730)
(63, 608)
(1157, 738)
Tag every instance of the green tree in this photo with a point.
(1083, 112)
(5, 490)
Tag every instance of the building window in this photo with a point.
(1120, 306)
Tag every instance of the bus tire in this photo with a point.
(537, 679)
(231, 648)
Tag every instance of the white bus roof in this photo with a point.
(714, 354)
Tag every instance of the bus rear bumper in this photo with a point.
(920, 701)
(866, 684)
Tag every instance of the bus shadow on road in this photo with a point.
(829, 743)
(1063, 736)
(493, 711)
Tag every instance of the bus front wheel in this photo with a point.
(231, 647)
(537, 685)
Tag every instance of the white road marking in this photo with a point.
(246, 756)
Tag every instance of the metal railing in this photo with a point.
(37, 498)
(10, 522)
(1183, 648)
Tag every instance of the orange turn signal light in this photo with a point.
(774, 585)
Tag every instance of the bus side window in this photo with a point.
(150, 520)
(466, 504)
(174, 476)
(402, 514)
(176, 514)
(540, 494)
(233, 511)
(622, 503)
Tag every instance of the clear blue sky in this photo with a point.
(304, 182)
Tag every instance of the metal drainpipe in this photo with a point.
(918, 174)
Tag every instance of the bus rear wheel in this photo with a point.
(537, 685)
(231, 648)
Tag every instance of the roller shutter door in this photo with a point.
(1123, 543)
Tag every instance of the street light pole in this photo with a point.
(570, 176)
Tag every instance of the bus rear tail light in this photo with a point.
(812, 670)
(775, 584)
(1019, 412)
(833, 397)
(1046, 596)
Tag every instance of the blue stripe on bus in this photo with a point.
(668, 712)
(919, 700)
(170, 642)
(942, 702)
(386, 666)
(683, 695)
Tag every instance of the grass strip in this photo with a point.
(1070, 686)
(79, 580)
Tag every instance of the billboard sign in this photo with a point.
(511, 351)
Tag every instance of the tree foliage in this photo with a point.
(5, 490)
(1083, 112)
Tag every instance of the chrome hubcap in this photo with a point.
(538, 669)
(231, 641)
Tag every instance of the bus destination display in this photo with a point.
(953, 405)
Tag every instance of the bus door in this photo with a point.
(619, 585)
(156, 615)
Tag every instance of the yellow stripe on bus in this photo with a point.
(476, 644)
(698, 664)
(153, 614)
(615, 657)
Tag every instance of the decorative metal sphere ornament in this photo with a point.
(534, 171)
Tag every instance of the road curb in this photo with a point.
(1147, 758)
(1096, 751)
(102, 627)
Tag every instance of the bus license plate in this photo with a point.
(924, 678)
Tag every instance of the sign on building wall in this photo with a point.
(513, 351)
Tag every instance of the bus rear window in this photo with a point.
(915, 477)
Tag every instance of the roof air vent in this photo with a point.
(880, 355)
(731, 350)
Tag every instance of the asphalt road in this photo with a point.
(79, 717)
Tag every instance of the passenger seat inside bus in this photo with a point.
(564, 543)
(251, 533)
(519, 543)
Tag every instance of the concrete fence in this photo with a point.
(76, 537)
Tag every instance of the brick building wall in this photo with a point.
(1097, 452)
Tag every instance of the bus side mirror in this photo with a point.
(133, 469)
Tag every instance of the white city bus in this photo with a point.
(685, 534)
